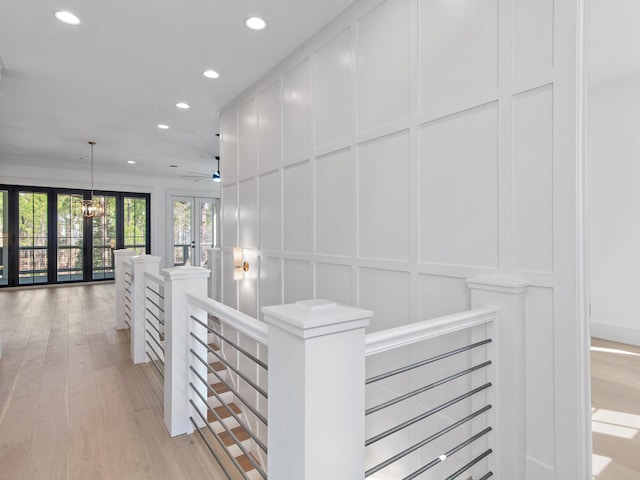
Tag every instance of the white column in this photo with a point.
(119, 258)
(178, 282)
(139, 265)
(215, 280)
(509, 296)
(316, 390)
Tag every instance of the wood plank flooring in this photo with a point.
(72, 405)
(615, 391)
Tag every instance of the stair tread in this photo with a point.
(214, 347)
(245, 463)
(240, 433)
(217, 366)
(223, 412)
(219, 388)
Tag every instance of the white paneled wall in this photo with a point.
(410, 145)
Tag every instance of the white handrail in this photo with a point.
(156, 278)
(243, 323)
(384, 340)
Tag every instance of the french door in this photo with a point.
(194, 230)
(44, 238)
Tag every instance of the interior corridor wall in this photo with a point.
(408, 146)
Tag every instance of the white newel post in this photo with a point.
(178, 282)
(139, 265)
(316, 390)
(215, 281)
(508, 295)
(120, 256)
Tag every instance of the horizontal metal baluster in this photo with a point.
(426, 414)
(160, 295)
(155, 304)
(424, 442)
(127, 305)
(224, 447)
(215, 455)
(486, 476)
(448, 454)
(255, 464)
(261, 391)
(231, 389)
(413, 393)
(155, 316)
(228, 409)
(237, 347)
(153, 362)
(155, 340)
(469, 465)
(154, 327)
(426, 362)
(158, 357)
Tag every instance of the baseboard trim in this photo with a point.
(616, 333)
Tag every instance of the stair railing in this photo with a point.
(430, 397)
(228, 386)
(154, 320)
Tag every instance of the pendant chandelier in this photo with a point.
(91, 208)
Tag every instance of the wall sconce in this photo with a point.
(240, 265)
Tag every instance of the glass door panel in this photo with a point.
(207, 232)
(135, 224)
(182, 239)
(104, 238)
(4, 237)
(70, 252)
(32, 238)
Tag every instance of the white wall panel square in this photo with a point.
(248, 145)
(297, 208)
(386, 293)
(229, 215)
(533, 180)
(459, 189)
(334, 200)
(333, 282)
(383, 207)
(442, 296)
(540, 375)
(229, 145)
(247, 214)
(383, 65)
(229, 287)
(332, 105)
(458, 49)
(533, 37)
(270, 211)
(297, 281)
(296, 100)
(270, 282)
(270, 126)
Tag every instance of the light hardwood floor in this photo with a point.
(615, 390)
(72, 405)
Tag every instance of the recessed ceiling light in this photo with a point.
(182, 105)
(67, 17)
(163, 127)
(255, 23)
(131, 161)
(211, 74)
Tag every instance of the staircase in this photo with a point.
(226, 397)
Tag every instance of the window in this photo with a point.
(44, 238)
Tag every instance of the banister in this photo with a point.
(245, 324)
(385, 340)
(154, 277)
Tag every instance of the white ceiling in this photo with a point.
(119, 74)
